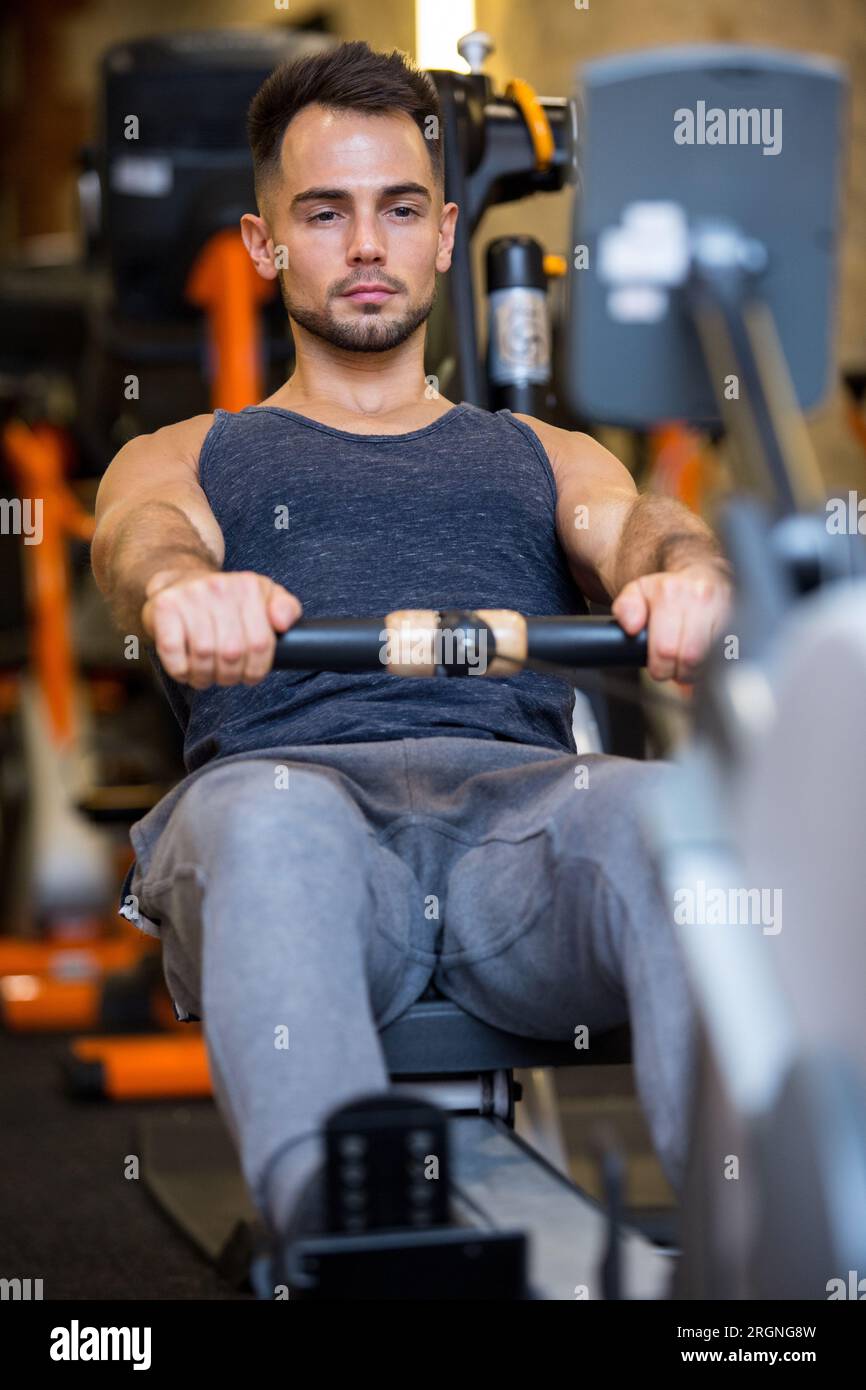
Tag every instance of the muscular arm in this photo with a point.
(660, 535)
(659, 562)
(157, 557)
(152, 519)
(611, 534)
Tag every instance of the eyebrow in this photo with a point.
(342, 195)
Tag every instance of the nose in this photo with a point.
(366, 244)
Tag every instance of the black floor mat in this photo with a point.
(68, 1213)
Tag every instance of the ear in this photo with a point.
(259, 244)
(447, 229)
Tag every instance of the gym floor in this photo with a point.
(67, 1213)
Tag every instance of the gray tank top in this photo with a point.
(459, 514)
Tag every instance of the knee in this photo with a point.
(257, 802)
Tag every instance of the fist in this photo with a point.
(212, 628)
(683, 611)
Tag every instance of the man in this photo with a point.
(340, 841)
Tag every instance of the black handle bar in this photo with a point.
(497, 642)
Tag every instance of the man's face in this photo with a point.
(356, 206)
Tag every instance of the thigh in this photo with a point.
(273, 868)
(538, 922)
(257, 808)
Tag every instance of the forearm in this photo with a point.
(153, 538)
(661, 535)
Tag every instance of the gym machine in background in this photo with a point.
(500, 147)
(184, 313)
(710, 295)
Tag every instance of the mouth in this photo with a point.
(368, 294)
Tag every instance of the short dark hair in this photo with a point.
(350, 77)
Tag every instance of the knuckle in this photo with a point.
(665, 648)
(164, 602)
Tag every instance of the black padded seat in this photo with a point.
(437, 1038)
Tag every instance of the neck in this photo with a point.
(374, 384)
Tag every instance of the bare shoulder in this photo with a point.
(559, 444)
(577, 456)
(172, 447)
(183, 439)
(154, 463)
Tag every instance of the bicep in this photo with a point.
(595, 494)
(158, 467)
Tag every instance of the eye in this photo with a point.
(327, 212)
(402, 208)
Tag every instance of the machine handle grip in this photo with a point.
(427, 642)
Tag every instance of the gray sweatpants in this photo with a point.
(305, 902)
